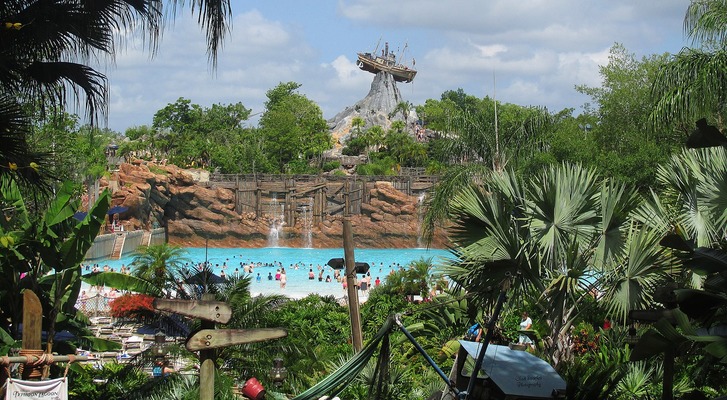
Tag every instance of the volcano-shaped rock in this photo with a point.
(376, 109)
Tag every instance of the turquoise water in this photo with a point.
(382, 262)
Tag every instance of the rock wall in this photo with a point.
(168, 196)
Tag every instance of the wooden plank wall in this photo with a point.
(323, 196)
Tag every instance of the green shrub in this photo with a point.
(385, 166)
(354, 146)
(299, 167)
(331, 165)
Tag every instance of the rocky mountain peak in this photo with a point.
(376, 109)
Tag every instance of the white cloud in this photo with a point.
(537, 51)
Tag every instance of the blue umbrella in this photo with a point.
(117, 210)
(80, 215)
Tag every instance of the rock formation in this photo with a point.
(169, 196)
(375, 109)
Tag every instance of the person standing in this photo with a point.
(283, 278)
(526, 324)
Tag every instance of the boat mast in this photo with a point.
(377, 47)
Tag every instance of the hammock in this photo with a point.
(335, 383)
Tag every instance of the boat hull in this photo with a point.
(375, 65)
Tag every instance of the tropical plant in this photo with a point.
(597, 373)
(85, 381)
(309, 348)
(44, 253)
(624, 144)
(45, 52)
(133, 306)
(162, 266)
(688, 86)
(563, 234)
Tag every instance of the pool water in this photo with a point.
(382, 262)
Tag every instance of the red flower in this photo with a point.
(132, 306)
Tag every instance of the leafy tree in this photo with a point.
(214, 137)
(404, 149)
(292, 126)
(373, 137)
(357, 123)
(404, 107)
(142, 143)
(626, 146)
(354, 146)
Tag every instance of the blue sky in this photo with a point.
(536, 50)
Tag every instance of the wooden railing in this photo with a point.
(231, 178)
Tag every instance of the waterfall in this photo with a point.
(420, 214)
(308, 224)
(277, 220)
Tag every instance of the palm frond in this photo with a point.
(631, 281)
(563, 207)
(705, 21)
(689, 86)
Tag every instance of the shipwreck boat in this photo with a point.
(386, 62)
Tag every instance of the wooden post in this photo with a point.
(351, 284)
(258, 201)
(207, 362)
(32, 325)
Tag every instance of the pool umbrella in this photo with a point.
(205, 278)
(338, 263)
(117, 210)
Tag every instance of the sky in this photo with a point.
(526, 52)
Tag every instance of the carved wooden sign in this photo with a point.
(216, 311)
(215, 338)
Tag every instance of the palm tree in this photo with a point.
(403, 107)
(162, 265)
(248, 312)
(357, 123)
(44, 51)
(471, 149)
(564, 235)
(689, 87)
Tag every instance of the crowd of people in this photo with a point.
(271, 271)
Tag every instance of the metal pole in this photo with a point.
(668, 383)
(421, 351)
(351, 284)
